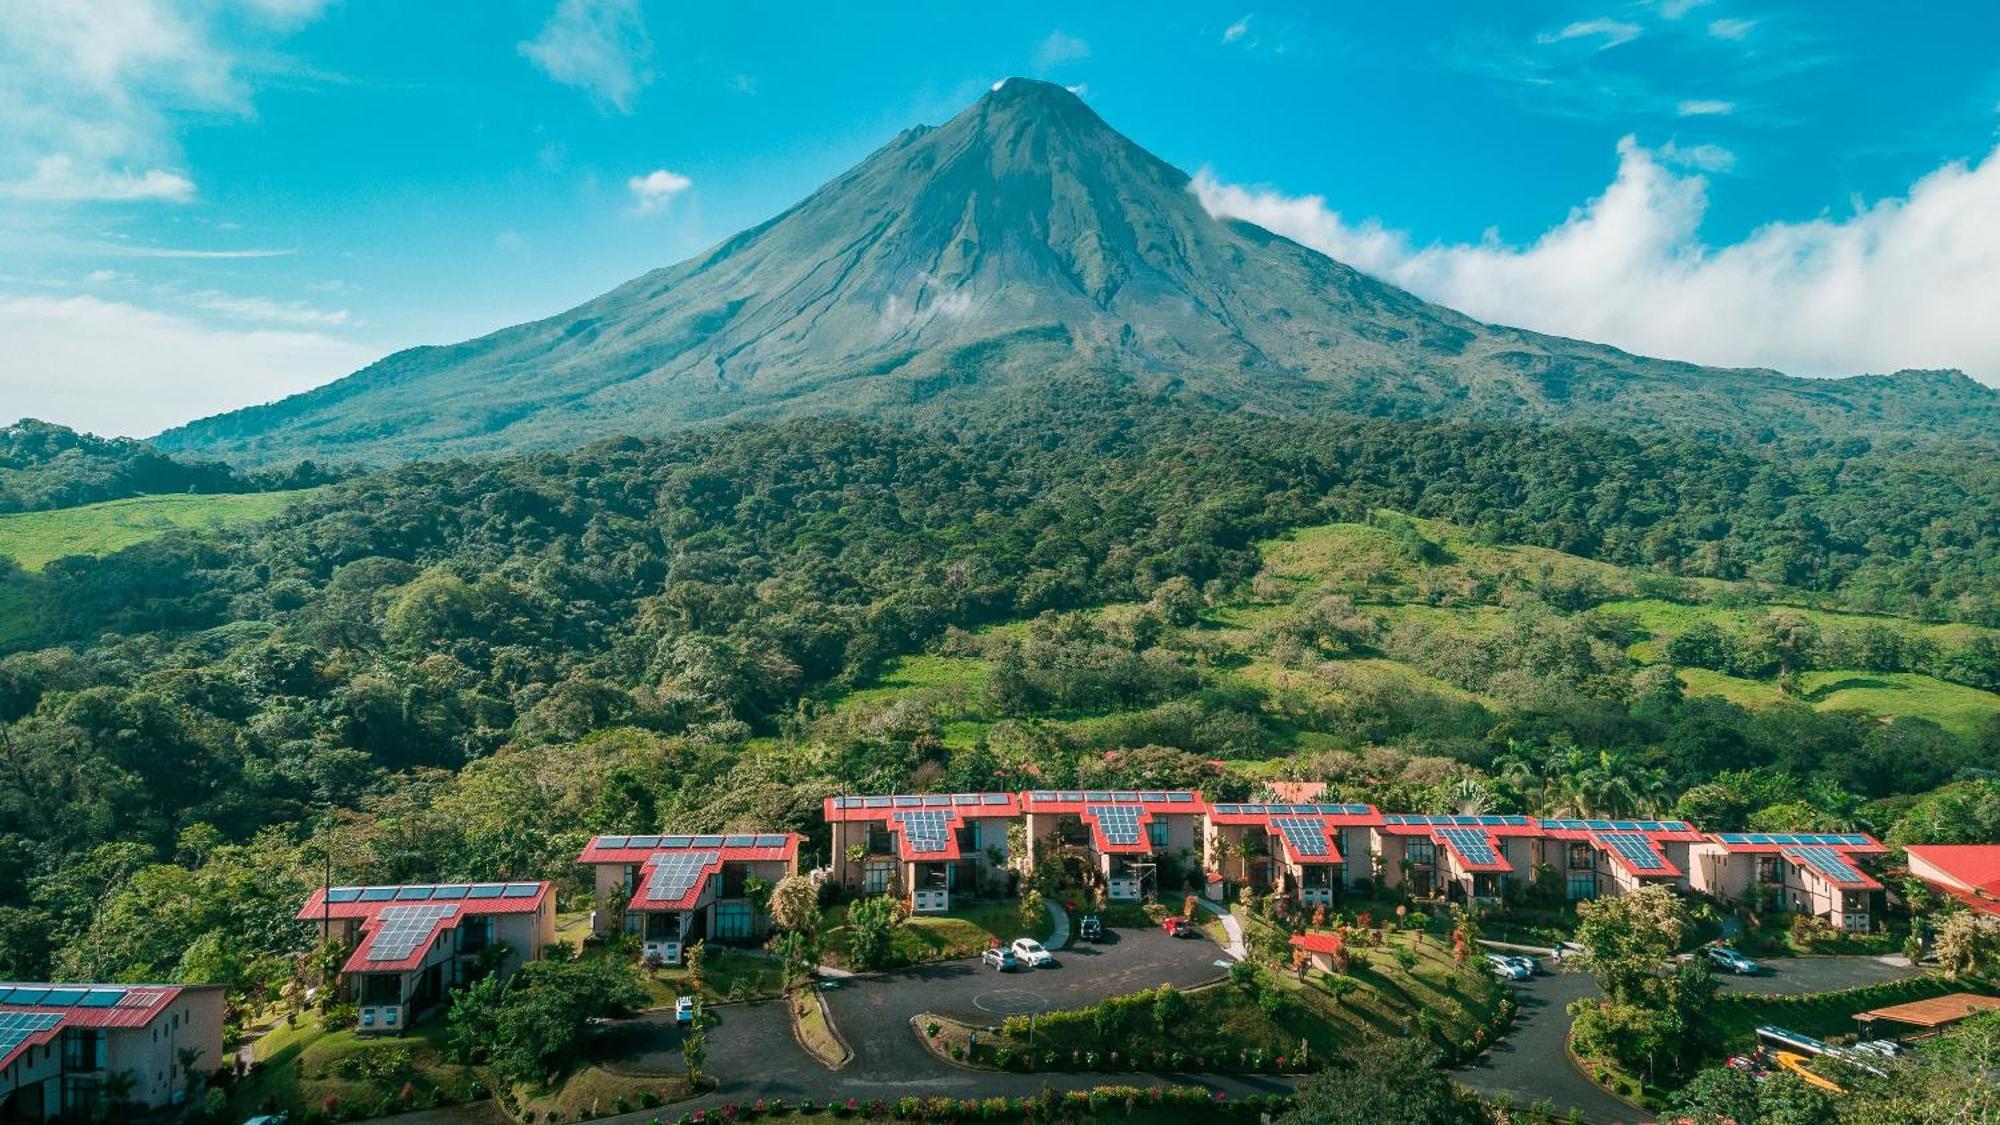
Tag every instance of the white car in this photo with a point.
(1508, 968)
(1730, 961)
(1032, 954)
(684, 1010)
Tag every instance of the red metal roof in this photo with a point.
(417, 912)
(1317, 941)
(1134, 808)
(968, 805)
(737, 847)
(1971, 871)
(676, 869)
(84, 1006)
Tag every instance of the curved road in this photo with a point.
(1531, 1063)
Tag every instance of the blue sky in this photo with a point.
(208, 204)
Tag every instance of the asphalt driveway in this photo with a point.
(1531, 1063)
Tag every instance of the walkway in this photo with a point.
(1231, 926)
(1059, 920)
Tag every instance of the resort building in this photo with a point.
(1611, 857)
(1969, 873)
(672, 891)
(1460, 857)
(410, 945)
(1801, 873)
(1118, 838)
(1307, 853)
(82, 1051)
(927, 849)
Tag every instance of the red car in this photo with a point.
(1178, 926)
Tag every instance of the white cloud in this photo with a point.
(1609, 33)
(1730, 29)
(1704, 157)
(58, 178)
(1675, 9)
(125, 250)
(596, 45)
(1058, 49)
(264, 308)
(115, 368)
(1903, 282)
(90, 92)
(1236, 31)
(1705, 107)
(654, 190)
(931, 302)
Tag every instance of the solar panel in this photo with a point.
(1303, 835)
(484, 890)
(1637, 851)
(1830, 864)
(993, 798)
(377, 894)
(27, 995)
(772, 841)
(17, 1028)
(102, 998)
(399, 930)
(1471, 844)
(522, 890)
(62, 997)
(926, 831)
(675, 874)
(611, 841)
(1118, 823)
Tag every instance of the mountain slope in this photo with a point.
(1022, 239)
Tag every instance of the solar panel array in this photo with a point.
(1425, 821)
(1294, 810)
(1470, 843)
(926, 800)
(1830, 864)
(1101, 796)
(1637, 851)
(1305, 836)
(399, 930)
(428, 892)
(17, 1028)
(671, 843)
(58, 996)
(674, 874)
(1618, 825)
(926, 831)
(1795, 840)
(1119, 823)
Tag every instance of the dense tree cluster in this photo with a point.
(459, 669)
(44, 466)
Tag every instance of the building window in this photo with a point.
(83, 1049)
(875, 877)
(1768, 870)
(475, 935)
(1423, 853)
(1156, 833)
(732, 921)
(1582, 858)
(1582, 886)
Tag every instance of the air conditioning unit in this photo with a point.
(668, 952)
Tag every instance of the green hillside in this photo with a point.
(34, 539)
(1429, 621)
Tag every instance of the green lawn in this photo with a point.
(726, 974)
(34, 539)
(300, 1067)
(1956, 708)
(1823, 1015)
(964, 932)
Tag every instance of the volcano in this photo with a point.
(1025, 240)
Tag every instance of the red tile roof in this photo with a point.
(1317, 941)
